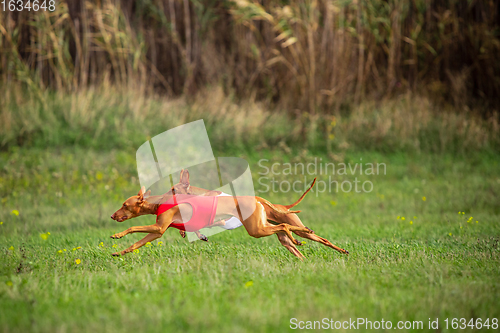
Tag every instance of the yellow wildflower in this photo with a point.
(331, 136)
(160, 243)
(333, 203)
(114, 246)
(449, 234)
(477, 222)
(79, 247)
(1, 223)
(15, 212)
(60, 251)
(148, 244)
(403, 218)
(136, 251)
(44, 236)
(78, 261)
(11, 248)
(398, 217)
(249, 284)
(411, 222)
(101, 244)
(303, 242)
(9, 283)
(424, 198)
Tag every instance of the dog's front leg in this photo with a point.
(142, 242)
(200, 235)
(154, 229)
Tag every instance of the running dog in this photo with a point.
(206, 209)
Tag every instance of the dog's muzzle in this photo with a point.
(118, 219)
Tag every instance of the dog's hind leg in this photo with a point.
(257, 226)
(286, 242)
(142, 242)
(294, 220)
(321, 240)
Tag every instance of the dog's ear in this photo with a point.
(185, 177)
(141, 192)
(141, 196)
(147, 194)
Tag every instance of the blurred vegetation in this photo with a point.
(383, 74)
(108, 118)
(82, 87)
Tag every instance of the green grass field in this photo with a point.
(436, 263)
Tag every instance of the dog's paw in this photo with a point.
(116, 236)
(310, 230)
(183, 233)
(203, 238)
(116, 254)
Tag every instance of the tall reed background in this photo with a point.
(336, 73)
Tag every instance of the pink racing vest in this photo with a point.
(204, 209)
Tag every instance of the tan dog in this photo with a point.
(257, 225)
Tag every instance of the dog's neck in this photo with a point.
(152, 203)
(149, 208)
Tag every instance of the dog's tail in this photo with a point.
(302, 197)
(288, 211)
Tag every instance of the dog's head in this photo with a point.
(132, 207)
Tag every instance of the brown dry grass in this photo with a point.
(110, 117)
(308, 55)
